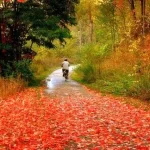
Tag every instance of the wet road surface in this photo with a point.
(58, 87)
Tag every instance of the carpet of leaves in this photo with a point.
(32, 121)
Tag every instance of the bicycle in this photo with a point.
(65, 74)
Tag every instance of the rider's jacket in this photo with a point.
(65, 65)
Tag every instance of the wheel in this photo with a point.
(65, 74)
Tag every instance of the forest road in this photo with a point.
(58, 87)
(86, 119)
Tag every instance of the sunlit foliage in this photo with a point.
(121, 30)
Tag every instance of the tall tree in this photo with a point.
(40, 21)
(86, 11)
(107, 18)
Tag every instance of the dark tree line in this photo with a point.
(37, 21)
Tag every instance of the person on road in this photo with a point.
(65, 66)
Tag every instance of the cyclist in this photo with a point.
(65, 67)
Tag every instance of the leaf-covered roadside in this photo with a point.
(30, 121)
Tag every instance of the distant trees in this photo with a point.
(86, 12)
(122, 17)
(139, 11)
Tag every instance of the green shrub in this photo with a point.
(141, 87)
(20, 68)
(24, 70)
(7, 69)
(114, 83)
(85, 73)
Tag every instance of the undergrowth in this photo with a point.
(123, 72)
(9, 86)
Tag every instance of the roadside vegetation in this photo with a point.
(114, 49)
(11, 86)
(120, 72)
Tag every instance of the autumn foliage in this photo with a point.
(30, 120)
(117, 60)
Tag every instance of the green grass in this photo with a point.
(117, 83)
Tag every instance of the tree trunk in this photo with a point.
(143, 5)
(132, 4)
(91, 30)
(16, 44)
(80, 34)
(91, 23)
